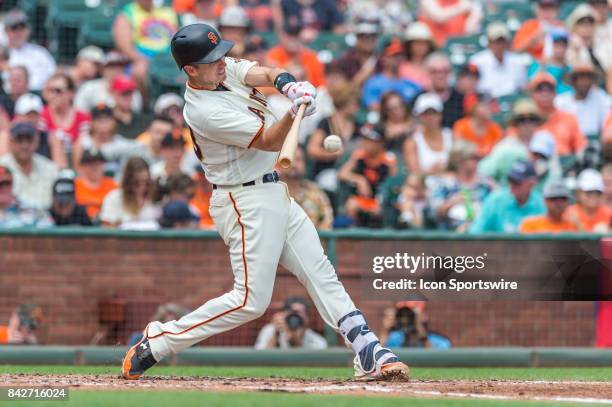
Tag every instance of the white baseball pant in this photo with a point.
(263, 226)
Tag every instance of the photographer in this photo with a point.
(22, 326)
(290, 328)
(405, 325)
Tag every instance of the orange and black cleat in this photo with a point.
(137, 359)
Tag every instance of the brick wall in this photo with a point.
(70, 276)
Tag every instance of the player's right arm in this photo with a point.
(272, 139)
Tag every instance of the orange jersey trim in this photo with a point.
(259, 133)
(246, 285)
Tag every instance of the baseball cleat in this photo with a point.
(137, 359)
(387, 367)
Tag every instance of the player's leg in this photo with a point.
(252, 222)
(303, 256)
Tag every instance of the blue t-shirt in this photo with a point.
(502, 213)
(379, 84)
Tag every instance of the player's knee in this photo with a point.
(257, 306)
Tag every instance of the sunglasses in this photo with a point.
(17, 27)
(527, 120)
(367, 36)
(586, 20)
(24, 138)
(6, 184)
(545, 87)
(593, 193)
(558, 199)
(57, 91)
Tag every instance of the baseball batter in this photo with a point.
(237, 139)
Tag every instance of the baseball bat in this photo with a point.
(287, 153)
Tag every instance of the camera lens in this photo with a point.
(294, 321)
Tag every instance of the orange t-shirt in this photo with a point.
(543, 224)
(92, 198)
(455, 27)
(602, 216)
(485, 142)
(188, 6)
(568, 137)
(523, 36)
(201, 201)
(308, 59)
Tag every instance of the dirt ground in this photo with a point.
(483, 389)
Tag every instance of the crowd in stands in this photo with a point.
(514, 136)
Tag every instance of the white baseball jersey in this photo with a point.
(225, 123)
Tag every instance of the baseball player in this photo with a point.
(237, 139)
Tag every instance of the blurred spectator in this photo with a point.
(307, 194)
(534, 36)
(87, 65)
(33, 174)
(342, 123)
(589, 103)
(603, 37)
(606, 174)
(27, 109)
(395, 121)
(542, 156)
(18, 85)
(64, 209)
(427, 151)
(181, 187)
(457, 196)
(418, 44)
(234, 25)
(359, 62)
(169, 311)
(13, 214)
(171, 105)
(582, 48)
(37, 60)
(313, 15)
(64, 123)
(291, 51)
(505, 209)
(467, 81)
(526, 118)
(198, 11)
(412, 202)
(406, 325)
(478, 127)
(590, 213)
(260, 13)
(439, 69)
(556, 198)
(556, 63)
(502, 72)
(104, 138)
(366, 170)
(450, 18)
(91, 186)
(172, 149)
(23, 324)
(255, 49)
(142, 30)
(201, 200)
(562, 125)
(290, 328)
(388, 79)
(393, 16)
(130, 206)
(152, 138)
(177, 215)
(129, 123)
(96, 92)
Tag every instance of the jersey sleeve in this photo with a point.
(238, 68)
(239, 128)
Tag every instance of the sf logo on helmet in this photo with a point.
(213, 38)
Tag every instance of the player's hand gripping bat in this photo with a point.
(287, 153)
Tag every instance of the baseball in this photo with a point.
(332, 143)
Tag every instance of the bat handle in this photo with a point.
(288, 150)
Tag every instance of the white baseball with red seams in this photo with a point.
(261, 224)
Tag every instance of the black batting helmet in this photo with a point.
(198, 44)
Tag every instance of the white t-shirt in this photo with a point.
(500, 79)
(35, 190)
(96, 91)
(428, 157)
(114, 213)
(590, 112)
(37, 60)
(225, 123)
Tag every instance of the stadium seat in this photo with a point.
(390, 190)
(329, 46)
(269, 37)
(97, 30)
(164, 76)
(460, 49)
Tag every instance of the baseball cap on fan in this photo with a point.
(27, 103)
(542, 143)
(556, 189)
(521, 171)
(428, 101)
(123, 83)
(234, 16)
(167, 100)
(590, 180)
(63, 191)
(14, 18)
(498, 30)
